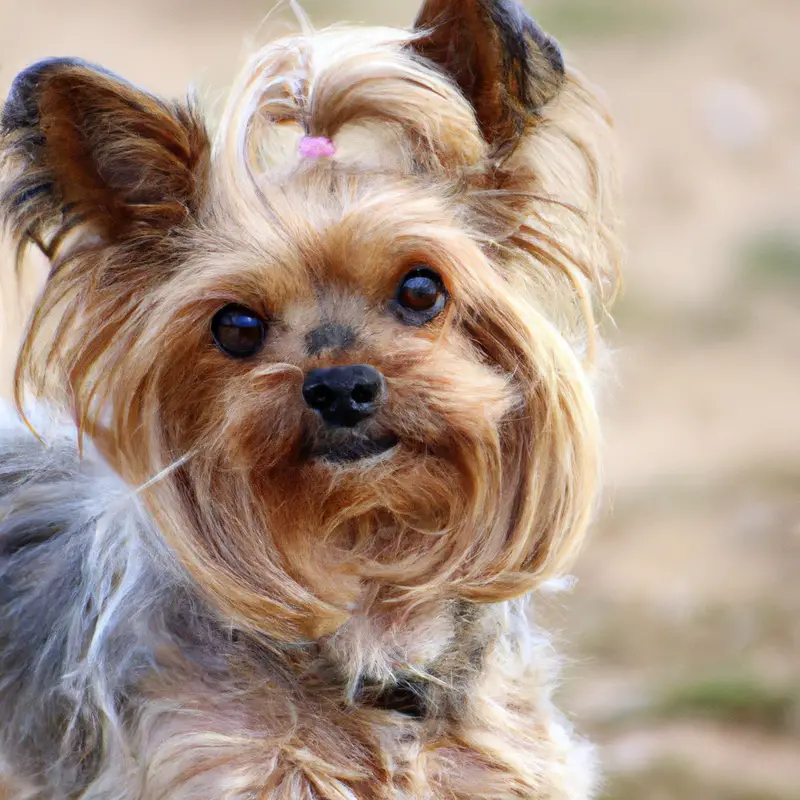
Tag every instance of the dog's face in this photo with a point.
(349, 368)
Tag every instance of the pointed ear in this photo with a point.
(88, 149)
(505, 65)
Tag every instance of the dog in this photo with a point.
(305, 417)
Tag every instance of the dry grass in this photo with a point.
(670, 781)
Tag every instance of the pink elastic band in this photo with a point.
(316, 147)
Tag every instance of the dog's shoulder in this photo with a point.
(46, 487)
(74, 574)
(42, 549)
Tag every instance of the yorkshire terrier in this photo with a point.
(328, 420)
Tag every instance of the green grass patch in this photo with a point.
(738, 700)
(601, 18)
(771, 260)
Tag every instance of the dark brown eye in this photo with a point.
(238, 331)
(420, 297)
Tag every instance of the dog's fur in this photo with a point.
(193, 602)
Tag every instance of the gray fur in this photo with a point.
(86, 596)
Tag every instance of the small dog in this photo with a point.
(329, 389)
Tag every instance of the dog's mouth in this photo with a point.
(350, 447)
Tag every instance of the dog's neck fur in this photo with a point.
(104, 580)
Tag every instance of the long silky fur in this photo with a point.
(186, 610)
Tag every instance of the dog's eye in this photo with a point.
(420, 297)
(238, 331)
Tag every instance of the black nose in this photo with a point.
(344, 395)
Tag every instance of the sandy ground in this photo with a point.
(683, 629)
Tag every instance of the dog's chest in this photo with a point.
(417, 663)
(498, 743)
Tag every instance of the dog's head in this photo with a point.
(347, 343)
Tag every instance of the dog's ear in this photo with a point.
(88, 150)
(503, 62)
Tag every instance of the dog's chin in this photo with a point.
(352, 448)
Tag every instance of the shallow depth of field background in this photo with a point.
(683, 632)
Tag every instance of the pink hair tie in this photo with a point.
(316, 147)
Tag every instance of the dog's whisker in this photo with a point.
(164, 473)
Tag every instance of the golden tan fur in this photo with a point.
(350, 578)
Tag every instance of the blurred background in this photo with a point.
(683, 632)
